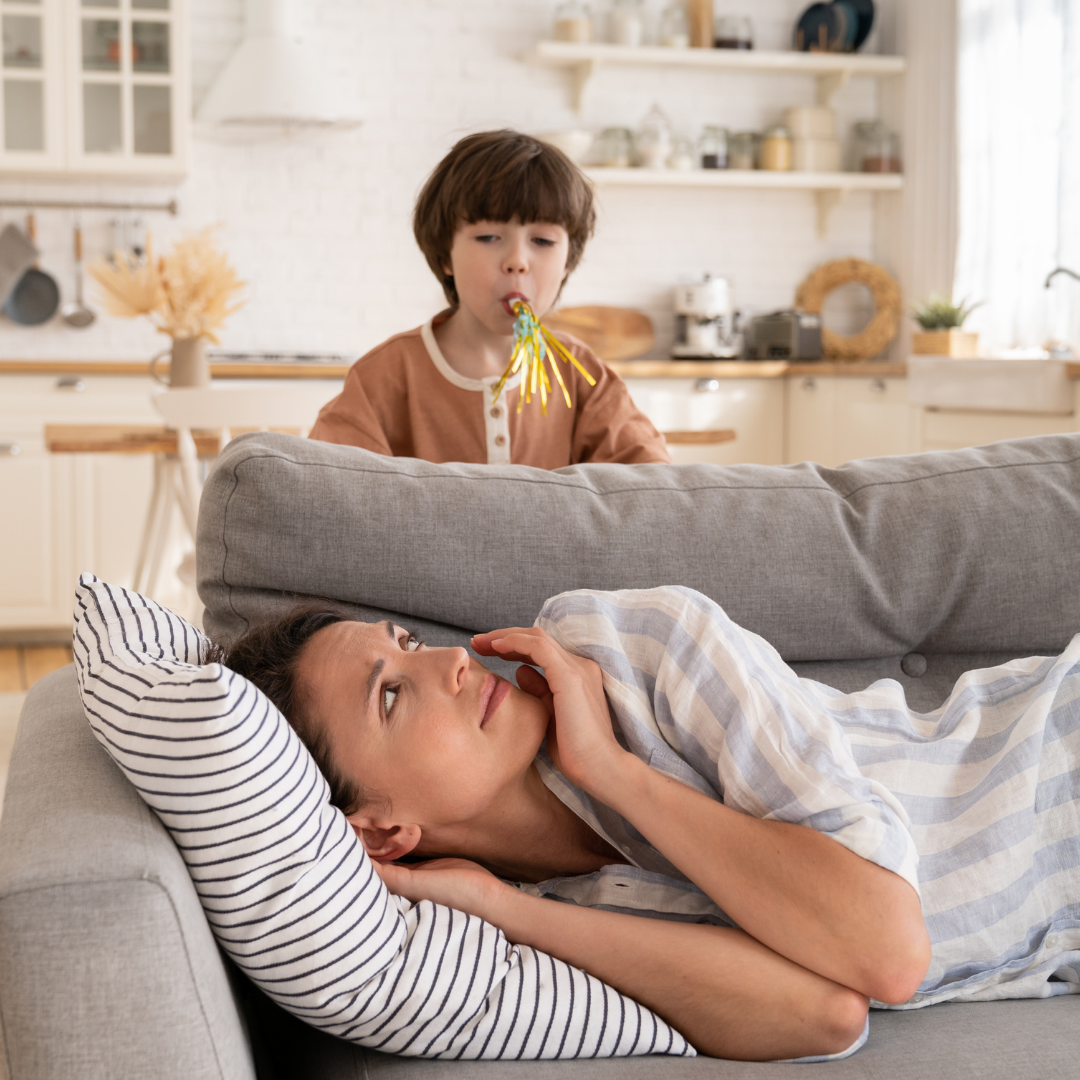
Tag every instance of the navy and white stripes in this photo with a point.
(288, 889)
(977, 804)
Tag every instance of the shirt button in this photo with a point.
(500, 440)
(1051, 940)
(496, 412)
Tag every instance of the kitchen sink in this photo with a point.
(1024, 386)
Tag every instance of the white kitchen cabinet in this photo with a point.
(95, 88)
(948, 429)
(833, 419)
(753, 408)
(36, 586)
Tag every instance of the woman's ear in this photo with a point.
(385, 843)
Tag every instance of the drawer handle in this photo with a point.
(706, 386)
(878, 386)
(710, 437)
(809, 384)
(10, 449)
(72, 383)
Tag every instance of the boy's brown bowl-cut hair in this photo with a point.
(499, 176)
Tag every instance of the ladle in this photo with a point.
(75, 313)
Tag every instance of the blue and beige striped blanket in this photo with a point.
(977, 803)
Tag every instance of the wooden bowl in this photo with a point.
(612, 333)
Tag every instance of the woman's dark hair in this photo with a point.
(499, 176)
(268, 655)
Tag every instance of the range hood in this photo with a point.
(274, 78)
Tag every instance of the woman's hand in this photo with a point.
(580, 738)
(457, 883)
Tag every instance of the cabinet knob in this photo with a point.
(878, 386)
(72, 383)
(809, 384)
(706, 386)
(10, 449)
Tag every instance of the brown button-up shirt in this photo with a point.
(403, 399)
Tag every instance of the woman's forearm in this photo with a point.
(795, 890)
(727, 993)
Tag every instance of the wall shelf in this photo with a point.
(830, 188)
(832, 70)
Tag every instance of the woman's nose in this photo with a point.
(457, 669)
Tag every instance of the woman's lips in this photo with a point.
(492, 695)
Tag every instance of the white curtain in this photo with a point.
(1019, 169)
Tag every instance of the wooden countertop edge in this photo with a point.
(628, 369)
(138, 367)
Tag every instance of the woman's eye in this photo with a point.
(413, 643)
(389, 696)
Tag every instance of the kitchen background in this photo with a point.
(319, 222)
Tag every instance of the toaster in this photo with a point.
(784, 335)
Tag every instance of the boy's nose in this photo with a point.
(516, 261)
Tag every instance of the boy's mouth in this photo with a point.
(507, 301)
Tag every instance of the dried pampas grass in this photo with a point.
(188, 293)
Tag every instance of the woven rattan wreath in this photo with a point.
(879, 331)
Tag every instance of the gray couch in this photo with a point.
(888, 567)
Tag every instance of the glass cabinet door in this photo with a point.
(27, 63)
(128, 73)
(98, 87)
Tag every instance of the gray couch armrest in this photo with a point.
(108, 968)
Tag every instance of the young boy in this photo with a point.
(503, 216)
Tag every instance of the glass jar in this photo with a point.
(573, 21)
(743, 150)
(712, 148)
(627, 23)
(675, 27)
(682, 155)
(776, 150)
(616, 147)
(733, 32)
(877, 148)
(653, 140)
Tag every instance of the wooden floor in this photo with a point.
(22, 665)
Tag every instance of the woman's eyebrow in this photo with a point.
(390, 630)
(372, 682)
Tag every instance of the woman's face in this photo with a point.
(431, 729)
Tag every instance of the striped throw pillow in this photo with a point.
(287, 887)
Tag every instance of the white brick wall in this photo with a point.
(319, 224)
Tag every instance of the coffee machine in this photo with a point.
(705, 321)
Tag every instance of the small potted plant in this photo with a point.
(941, 321)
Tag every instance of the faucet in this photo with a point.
(1060, 270)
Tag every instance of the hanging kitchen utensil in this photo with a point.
(17, 255)
(75, 313)
(36, 297)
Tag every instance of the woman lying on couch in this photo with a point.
(683, 759)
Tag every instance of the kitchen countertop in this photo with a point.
(628, 369)
(140, 367)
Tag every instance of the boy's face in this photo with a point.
(494, 262)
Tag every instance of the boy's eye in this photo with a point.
(389, 696)
(543, 241)
(487, 238)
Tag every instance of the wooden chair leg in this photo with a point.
(152, 513)
(161, 536)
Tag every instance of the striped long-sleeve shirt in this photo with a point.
(976, 804)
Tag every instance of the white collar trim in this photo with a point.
(427, 335)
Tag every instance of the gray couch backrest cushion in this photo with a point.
(957, 552)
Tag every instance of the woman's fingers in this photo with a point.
(532, 682)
